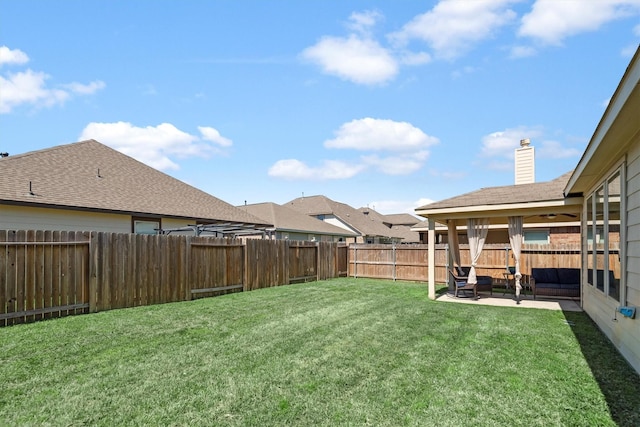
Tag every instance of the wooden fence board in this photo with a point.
(4, 285)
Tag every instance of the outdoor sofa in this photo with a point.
(560, 282)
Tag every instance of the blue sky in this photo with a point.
(391, 104)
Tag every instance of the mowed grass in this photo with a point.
(340, 352)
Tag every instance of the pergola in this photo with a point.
(509, 206)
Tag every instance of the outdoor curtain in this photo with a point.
(477, 229)
(516, 238)
(454, 245)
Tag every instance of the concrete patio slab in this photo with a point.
(527, 301)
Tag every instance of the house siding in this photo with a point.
(30, 218)
(623, 332)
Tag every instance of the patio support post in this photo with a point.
(431, 260)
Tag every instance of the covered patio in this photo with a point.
(508, 207)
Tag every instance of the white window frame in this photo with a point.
(602, 231)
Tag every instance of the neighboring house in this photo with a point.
(400, 224)
(289, 224)
(549, 218)
(604, 189)
(367, 228)
(89, 186)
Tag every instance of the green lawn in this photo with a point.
(339, 352)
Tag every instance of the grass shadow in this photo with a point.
(618, 381)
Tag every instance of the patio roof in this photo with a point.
(542, 202)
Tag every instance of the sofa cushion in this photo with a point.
(575, 286)
(484, 280)
(569, 275)
(545, 275)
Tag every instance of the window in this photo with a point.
(537, 237)
(145, 225)
(602, 235)
(599, 206)
(612, 230)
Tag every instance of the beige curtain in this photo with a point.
(516, 238)
(477, 229)
(454, 245)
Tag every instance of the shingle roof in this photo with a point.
(322, 205)
(88, 175)
(400, 224)
(286, 219)
(401, 219)
(522, 193)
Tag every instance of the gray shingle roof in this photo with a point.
(522, 193)
(358, 220)
(88, 175)
(286, 219)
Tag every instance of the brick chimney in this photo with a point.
(525, 163)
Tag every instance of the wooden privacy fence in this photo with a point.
(47, 274)
(410, 262)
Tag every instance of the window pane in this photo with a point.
(539, 237)
(145, 227)
(613, 235)
(599, 239)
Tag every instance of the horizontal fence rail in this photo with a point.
(45, 274)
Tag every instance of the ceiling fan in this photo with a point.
(552, 216)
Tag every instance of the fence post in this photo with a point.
(393, 255)
(94, 256)
(355, 260)
(317, 245)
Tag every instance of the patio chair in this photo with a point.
(460, 284)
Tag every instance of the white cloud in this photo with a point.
(407, 143)
(329, 169)
(357, 59)
(211, 134)
(380, 134)
(363, 22)
(29, 87)
(83, 89)
(503, 143)
(154, 145)
(500, 147)
(554, 150)
(12, 56)
(551, 21)
(453, 26)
